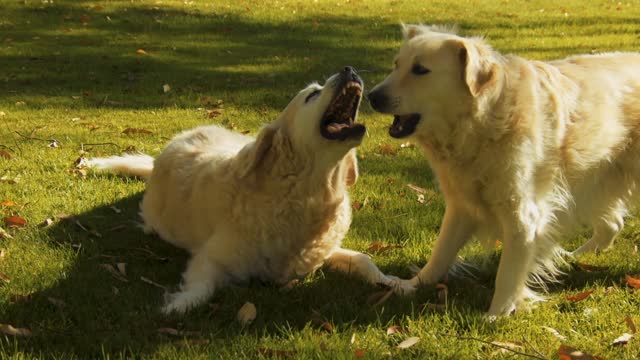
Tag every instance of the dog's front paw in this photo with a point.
(401, 286)
(178, 302)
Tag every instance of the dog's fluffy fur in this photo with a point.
(274, 208)
(523, 150)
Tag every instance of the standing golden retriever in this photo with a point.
(274, 208)
(522, 150)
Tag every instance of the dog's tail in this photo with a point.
(136, 165)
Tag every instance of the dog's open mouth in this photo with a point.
(339, 121)
(404, 125)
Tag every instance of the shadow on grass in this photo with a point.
(107, 314)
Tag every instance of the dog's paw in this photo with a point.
(401, 286)
(177, 303)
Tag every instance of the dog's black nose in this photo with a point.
(350, 74)
(348, 70)
(378, 100)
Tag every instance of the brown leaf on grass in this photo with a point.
(85, 19)
(395, 329)
(15, 222)
(5, 278)
(622, 339)
(214, 113)
(5, 154)
(359, 353)
(166, 88)
(7, 203)
(377, 247)
(151, 282)
(4, 234)
(12, 331)
(579, 297)
(97, 8)
(387, 149)
(122, 269)
(591, 268)
(246, 314)
(633, 282)
(60, 304)
(318, 320)
(379, 297)
(141, 52)
(272, 353)
(408, 342)
(568, 353)
(129, 131)
(555, 333)
(9, 180)
(112, 270)
(417, 188)
(629, 321)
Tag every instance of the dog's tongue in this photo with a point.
(334, 128)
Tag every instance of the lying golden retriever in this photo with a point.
(274, 208)
(523, 150)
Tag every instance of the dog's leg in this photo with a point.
(199, 281)
(349, 261)
(516, 261)
(605, 230)
(457, 228)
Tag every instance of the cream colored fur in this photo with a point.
(274, 208)
(523, 150)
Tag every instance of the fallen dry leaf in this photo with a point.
(377, 247)
(112, 270)
(122, 268)
(7, 203)
(353, 339)
(555, 332)
(10, 180)
(169, 331)
(5, 154)
(591, 268)
(130, 131)
(634, 282)
(246, 314)
(2, 253)
(569, 353)
(166, 88)
(318, 320)
(387, 149)
(359, 353)
(10, 330)
(141, 52)
(395, 329)
(15, 221)
(20, 103)
(579, 297)
(151, 282)
(629, 321)
(214, 113)
(4, 234)
(417, 188)
(4, 278)
(409, 342)
(379, 297)
(622, 339)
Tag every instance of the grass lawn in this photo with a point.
(82, 72)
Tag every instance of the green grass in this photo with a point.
(74, 68)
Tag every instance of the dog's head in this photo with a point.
(438, 77)
(319, 122)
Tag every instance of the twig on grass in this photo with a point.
(98, 144)
(493, 344)
(31, 137)
(526, 342)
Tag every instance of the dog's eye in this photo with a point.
(418, 69)
(312, 95)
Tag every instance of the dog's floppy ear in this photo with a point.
(351, 161)
(252, 154)
(410, 31)
(479, 71)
